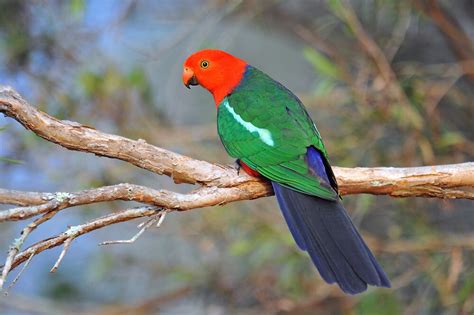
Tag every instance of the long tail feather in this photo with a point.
(324, 229)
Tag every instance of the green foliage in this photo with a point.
(321, 64)
(335, 6)
(137, 78)
(62, 288)
(450, 138)
(467, 290)
(77, 7)
(101, 265)
(110, 82)
(324, 87)
(378, 302)
(8, 160)
(90, 82)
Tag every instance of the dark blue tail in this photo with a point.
(324, 229)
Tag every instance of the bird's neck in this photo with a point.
(220, 94)
(232, 80)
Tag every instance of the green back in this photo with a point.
(265, 125)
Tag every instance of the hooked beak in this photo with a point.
(189, 78)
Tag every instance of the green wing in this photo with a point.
(266, 126)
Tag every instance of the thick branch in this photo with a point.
(75, 136)
(202, 197)
(441, 181)
(444, 181)
(219, 184)
(22, 198)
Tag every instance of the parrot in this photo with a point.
(267, 129)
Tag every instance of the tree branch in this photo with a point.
(441, 181)
(219, 184)
(74, 232)
(75, 136)
(202, 197)
(444, 181)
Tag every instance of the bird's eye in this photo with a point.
(204, 64)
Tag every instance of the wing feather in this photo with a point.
(267, 127)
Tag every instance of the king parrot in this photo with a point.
(266, 127)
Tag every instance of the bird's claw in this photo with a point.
(238, 166)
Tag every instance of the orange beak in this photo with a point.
(189, 78)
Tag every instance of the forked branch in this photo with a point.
(443, 181)
(218, 184)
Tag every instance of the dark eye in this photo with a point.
(204, 64)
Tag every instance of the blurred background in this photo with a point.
(389, 83)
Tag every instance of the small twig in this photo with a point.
(67, 243)
(398, 34)
(139, 226)
(376, 54)
(144, 227)
(458, 39)
(162, 217)
(19, 274)
(22, 213)
(76, 231)
(158, 219)
(18, 242)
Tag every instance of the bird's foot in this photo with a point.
(237, 166)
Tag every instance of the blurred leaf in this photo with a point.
(365, 201)
(90, 82)
(265, 252)
(450, 138)
(467, 289)
(7, 160)
(63, 289)
(406, 116)
(287, 238)
(335, 6)
(241, 247)
(101, 265)
(137, 78)
(17, 48)
(375, 303)
(288, 278)
(182, 274)
(322, 65)
(77, 7)
(112, 81)
(324, 87)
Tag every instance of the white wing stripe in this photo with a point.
(264, 134)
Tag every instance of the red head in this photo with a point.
(215, 70)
